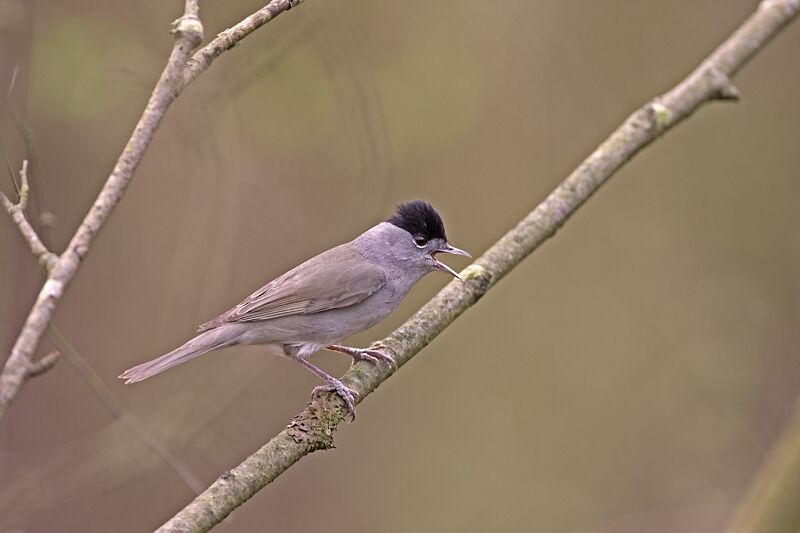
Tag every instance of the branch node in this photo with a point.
(723, 88)
(662, 115)
(47, 260)
(190, 28)
(43, 365)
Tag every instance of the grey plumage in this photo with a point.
(330, 297)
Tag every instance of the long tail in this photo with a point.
(203, 343)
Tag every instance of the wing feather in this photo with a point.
(338, 278)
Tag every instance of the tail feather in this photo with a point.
(203, 343)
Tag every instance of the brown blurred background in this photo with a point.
(629, 376)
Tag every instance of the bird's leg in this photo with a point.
(334, 385)
(364, 354)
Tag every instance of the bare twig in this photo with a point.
(44, 364)
(229, 38)
(313, 428)
(17, 211)
(188, 34)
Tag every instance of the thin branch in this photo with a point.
(188, 34)
(229, 38)
(17, 211)
(44, 364)
(313, 428)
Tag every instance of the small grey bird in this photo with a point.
(330, 297)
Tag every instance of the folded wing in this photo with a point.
(337, 278)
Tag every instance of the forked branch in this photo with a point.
(17, 211)
(61, 270)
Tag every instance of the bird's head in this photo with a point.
(424, 236)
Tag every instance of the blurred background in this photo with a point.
(629, 376)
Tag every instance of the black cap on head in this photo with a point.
(419, 218)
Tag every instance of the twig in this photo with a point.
(229, 38)
(17, 211)
(313, 428)
(188, 34)
(44, 364)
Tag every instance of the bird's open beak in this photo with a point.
(444, 268)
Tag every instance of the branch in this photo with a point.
(188, 34)
(229, 38)
(313, 428)
(43, 365)
(17, 211)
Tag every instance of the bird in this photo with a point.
(330, 297)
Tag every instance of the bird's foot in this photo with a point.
(373, 355)
(346, 393)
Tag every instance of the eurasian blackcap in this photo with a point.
(330, 297)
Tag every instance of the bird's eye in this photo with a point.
(420, 241)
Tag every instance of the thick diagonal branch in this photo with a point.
(188, 33)
(313, 428)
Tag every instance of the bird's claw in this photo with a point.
(374, 356)
(345, 393)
